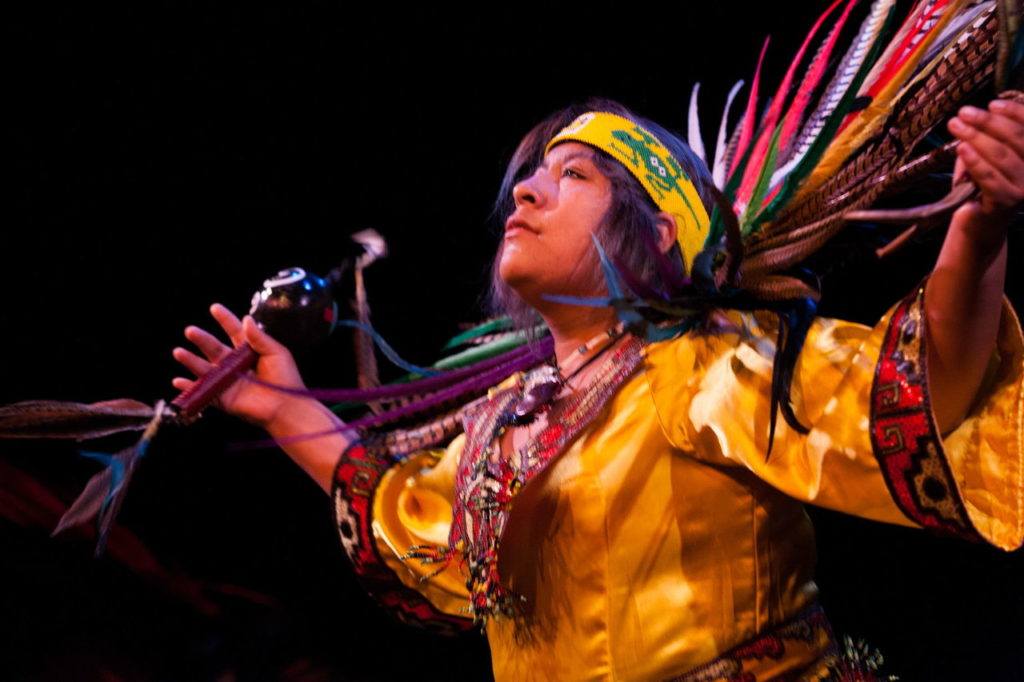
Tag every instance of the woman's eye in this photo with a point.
(572, 173)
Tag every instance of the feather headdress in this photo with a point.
(843, 128)
(788, 187)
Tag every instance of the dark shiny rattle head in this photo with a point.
(296, 308)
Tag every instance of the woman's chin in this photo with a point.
(523, 280)
(515, 267)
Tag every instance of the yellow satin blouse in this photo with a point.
(661, 538)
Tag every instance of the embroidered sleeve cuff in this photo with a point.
(363, 484)
(970, 484)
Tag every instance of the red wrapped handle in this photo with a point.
(191, 401)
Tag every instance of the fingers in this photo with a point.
(998, 192)
(192, 362)
(231, 325)
(991, 151)
(181, 383)
(245, 331)
(214, 349)
(259, 340)
(1009, 116)
(210, 345)
(1003, 123)
(988, 173)
(959, 171)
(993, 143)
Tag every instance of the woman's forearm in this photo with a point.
(963, 303)
(317, 456)
(963, 298)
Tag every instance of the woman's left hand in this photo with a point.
(991, 153)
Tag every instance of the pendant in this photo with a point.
(539, 389)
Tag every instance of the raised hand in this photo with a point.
(963, 296)
(255, 403)
(991, 152)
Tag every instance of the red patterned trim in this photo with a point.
(807, 637)
(488, 479)
(356, 477)
(904, 434)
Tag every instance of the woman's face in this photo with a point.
(547, 246)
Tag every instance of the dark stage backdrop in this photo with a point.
(166, 156)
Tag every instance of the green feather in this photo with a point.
(729, 192)
(748, 223)
(487, 350)
(489, 327)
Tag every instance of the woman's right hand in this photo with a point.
(256, 404)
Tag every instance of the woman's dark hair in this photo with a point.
(629, 228)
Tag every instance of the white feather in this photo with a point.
(693, 136)
(718, 172)
(845, 72)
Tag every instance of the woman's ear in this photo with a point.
(666, 227)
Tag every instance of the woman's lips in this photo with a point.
(516, 226)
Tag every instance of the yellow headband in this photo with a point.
(650, 163)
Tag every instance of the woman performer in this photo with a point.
(628, 524)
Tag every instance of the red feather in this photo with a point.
(900, 55)
(747, 131)
(753, 169)
(794, 117)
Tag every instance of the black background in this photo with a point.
(167, 156)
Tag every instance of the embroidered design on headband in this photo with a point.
(663, 172)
